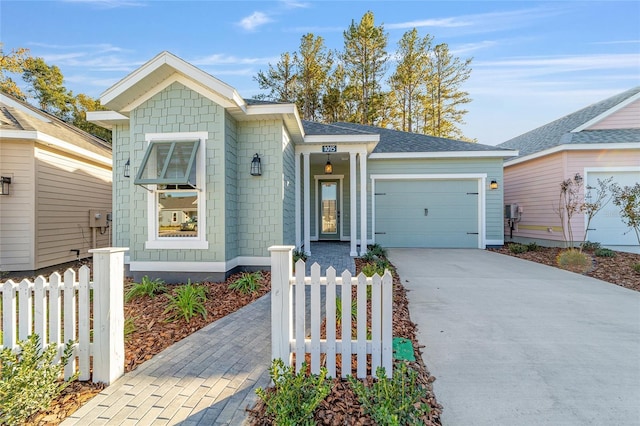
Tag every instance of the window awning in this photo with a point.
(169, 163)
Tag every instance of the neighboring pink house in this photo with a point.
(598, 141)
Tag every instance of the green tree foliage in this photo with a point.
(12, 63)
(365, 62)
(45, 85)
(444, 98)
(408, 82)
(313, 63)
(628, 200)
(334, 105)
(280, 80)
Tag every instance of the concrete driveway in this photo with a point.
(512, 342)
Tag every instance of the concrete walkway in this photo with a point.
(512, 342)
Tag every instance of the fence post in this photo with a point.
(281, 269)
(108, 313)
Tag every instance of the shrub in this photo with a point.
(377, 250)
(188, 302)
(395, 400)
(249, 282)
(369, 257)
(146, 287)
(590, 246)
(605, 252)
(369, 269)
(636, 267)
(299, 255)
(30, 381)
(354, 310)
(574, 260)
(294, 397)
(533, 246)
(129, 328)
(518, 248)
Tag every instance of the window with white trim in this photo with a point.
(173, 171)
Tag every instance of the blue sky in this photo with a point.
(533, 62)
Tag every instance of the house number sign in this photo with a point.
(329, 148)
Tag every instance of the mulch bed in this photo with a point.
(616, 270)
(341, 407)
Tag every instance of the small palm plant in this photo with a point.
(187, 302)
(146, 287)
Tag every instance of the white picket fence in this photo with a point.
(288, 323)
(51, 308)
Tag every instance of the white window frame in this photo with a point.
(199, 242)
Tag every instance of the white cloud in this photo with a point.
(254, 20)
(292, 4)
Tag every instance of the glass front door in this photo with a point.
(329, 210)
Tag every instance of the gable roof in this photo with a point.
(20, 120)
(570, 129)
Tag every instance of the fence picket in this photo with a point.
(9, 314)
(55, 316)
(70, 317)
(40, 321)
(25, 300)
(387, 331)
(300, 309)
(361, 324)
(315, 319)
(84, 325)
(376, 323)
(330, 309)
(346, 324)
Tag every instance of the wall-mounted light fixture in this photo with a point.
(328, 168)
(256, 166)
(493, 184)
(5, 181)
(127, 166)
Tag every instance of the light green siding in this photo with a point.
(121, 187)
(231, 188)
(289, 188)
(492, 167)
(179, 109)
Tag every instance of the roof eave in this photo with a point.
(572, 147)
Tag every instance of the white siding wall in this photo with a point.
(16, 209)
(67, 188)
(626, 118)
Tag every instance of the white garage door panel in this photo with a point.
(427, 213)
(607, 227)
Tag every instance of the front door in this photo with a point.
(329, 213)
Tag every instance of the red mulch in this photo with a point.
(616, 270)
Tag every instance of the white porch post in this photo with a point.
(297, 198)
(363, 203)
(307, 202)
(353, 206)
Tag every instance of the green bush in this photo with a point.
(533, 246)
(249, 282)
(30, 381)
(339, 314)
(574, 260)
(299, 255)
(188, 302)
(395, 400)
(146, 287)
(636, 267)
(295, 397)
(604, 252)
(369, 257)
(369, 269)
(377, 250)
(518, 248)
(590, 246)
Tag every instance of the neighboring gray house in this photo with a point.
(185, 133)
(600, 141)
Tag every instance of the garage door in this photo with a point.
(427, 213)
(607, 227)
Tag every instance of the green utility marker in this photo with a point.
(403, 349)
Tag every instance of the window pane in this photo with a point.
(177, 214)
(170, 162)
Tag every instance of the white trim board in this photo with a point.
(572, 147)
(448, 154)
(607, 113)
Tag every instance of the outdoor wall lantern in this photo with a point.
(493, 184)
(256, 166)
(5, 181)
(328, 168)
(127, 171)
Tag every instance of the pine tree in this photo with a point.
(313, 63)
(280, 80)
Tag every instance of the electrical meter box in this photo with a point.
(511, 211)
(97, 219)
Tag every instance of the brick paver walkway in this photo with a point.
(209, 378)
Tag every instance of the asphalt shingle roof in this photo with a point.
(395, 141)
(558, 132)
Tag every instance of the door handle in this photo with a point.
(426, 212)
